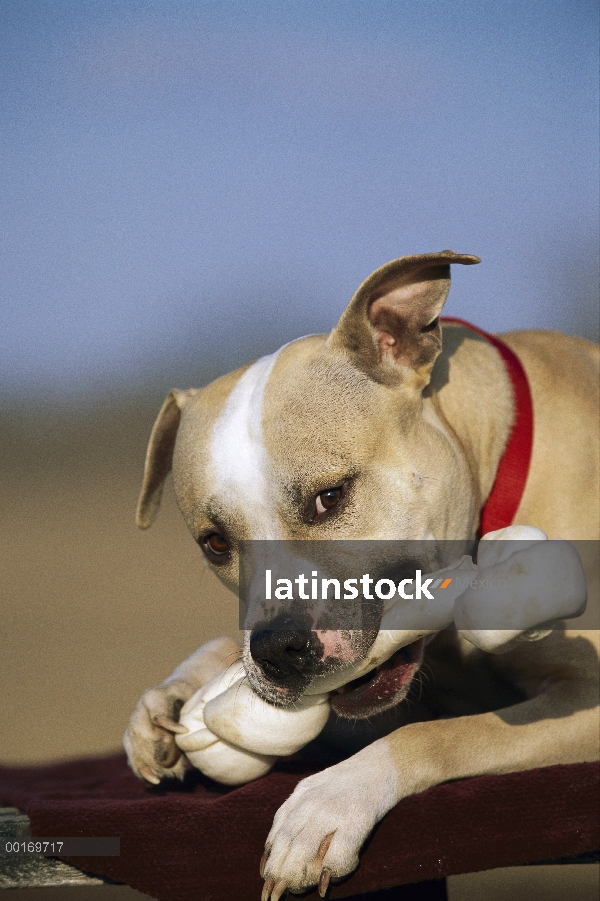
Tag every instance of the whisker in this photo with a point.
(232, 655)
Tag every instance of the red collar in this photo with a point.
(501, 506)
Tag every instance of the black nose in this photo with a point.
(284, 650)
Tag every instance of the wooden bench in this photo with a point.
(34, 872)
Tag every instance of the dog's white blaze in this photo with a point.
(239, 459)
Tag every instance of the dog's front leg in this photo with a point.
(150, 736)
(318, 832)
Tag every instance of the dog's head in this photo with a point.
(329, 438)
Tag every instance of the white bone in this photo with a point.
(234, 736)
(496, 546)
(216, 758)
(545, 583)
(243, 718)
(227, 764)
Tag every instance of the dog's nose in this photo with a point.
(283, 649)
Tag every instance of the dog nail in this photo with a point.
(324, 882)
(279, 891)
(263, 862)
(324, 847)
(150, 777)
(267, 887)
(165, 722)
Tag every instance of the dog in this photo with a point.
(382, 430)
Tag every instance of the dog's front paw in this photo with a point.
(318, 832)
(149, 739)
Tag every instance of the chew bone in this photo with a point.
(234, 736)
(522, 584)
(544, 583)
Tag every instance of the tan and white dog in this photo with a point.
(377, 431)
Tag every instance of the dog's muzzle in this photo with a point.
(287, 653)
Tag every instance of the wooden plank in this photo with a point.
(34, 872)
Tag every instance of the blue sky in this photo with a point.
(187, 185)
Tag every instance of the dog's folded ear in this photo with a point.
(391, 326)
(159, 456)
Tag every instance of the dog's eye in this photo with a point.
(329, 499)
(215, 544)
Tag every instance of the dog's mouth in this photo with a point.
(383, 687)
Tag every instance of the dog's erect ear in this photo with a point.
(159, 456)
(391, 326)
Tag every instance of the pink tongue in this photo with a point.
(383, 689)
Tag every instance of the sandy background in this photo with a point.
(92, 610)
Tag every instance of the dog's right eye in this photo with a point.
(215, 545)
(328, 499)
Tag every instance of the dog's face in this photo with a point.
(327, 439)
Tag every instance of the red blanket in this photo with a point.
(205, 841)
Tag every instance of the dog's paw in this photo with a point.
(149, 739)
(318, 832)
